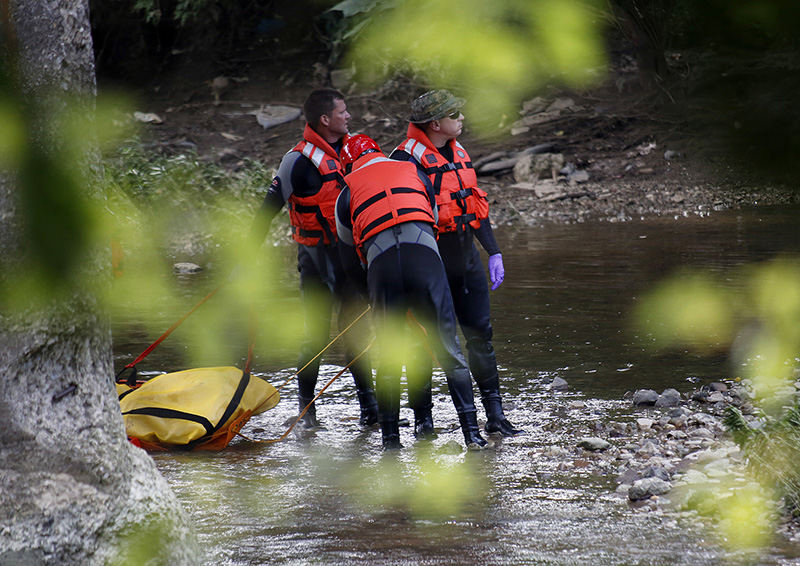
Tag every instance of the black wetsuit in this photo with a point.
(406, 274)
(323, 283)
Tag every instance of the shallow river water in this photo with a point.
(332, 497)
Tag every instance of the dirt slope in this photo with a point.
(636, 150)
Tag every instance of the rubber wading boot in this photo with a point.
(423, 425)
(496, 421)
(390, 435)
(472, 434)
(309, 420)
(502, 426)
(369, 408)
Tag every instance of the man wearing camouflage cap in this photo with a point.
(435, 123)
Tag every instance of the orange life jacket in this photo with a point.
(458, 196)
(313, 217)
(384, 193)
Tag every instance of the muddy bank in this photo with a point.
(611, 165)
(513, 205)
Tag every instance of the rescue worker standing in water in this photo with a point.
(386, 212)
(308, 179)
(435, 123)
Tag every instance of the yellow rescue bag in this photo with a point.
(200, 408)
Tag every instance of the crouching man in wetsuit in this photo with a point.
(436, 122)
(386, 212)
(308, 179)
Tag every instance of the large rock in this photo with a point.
(57, 517)
(648, 487)
(534, 166)
(668, 398)
(645, 397)
(72, 488)
(594, 444)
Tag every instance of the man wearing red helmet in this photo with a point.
(308, 180)
(435, 123)
(386, 211)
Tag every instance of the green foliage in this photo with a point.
(699, 311)
(517, 47)
(694, 309)
(430, 487)
(55, 228)
(144, 543)
(688, 309)
(773, 450)
(154, 180)
(736, 424)
(179, 208)
(74, 211)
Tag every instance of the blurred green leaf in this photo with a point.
(12, 134)
(688, 309)
(495, 52)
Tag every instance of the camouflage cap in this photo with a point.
(434, 105)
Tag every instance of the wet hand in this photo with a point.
(496, 270)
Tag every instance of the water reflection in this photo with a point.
(322, 497)
(570, 289)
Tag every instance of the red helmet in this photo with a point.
(355, 146)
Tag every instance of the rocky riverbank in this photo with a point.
(672, 451)
(561, 202)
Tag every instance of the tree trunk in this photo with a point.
(73, 490)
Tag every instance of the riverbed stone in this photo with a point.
(532, 167)
(186, 267)
(594, 444)
(578, 176)
(648, 448)
(628, 476)
(679, 422)
(645, 397)
(559, 384)
(648, 487)
(703, 419)
(668, 398)
(692, 475)
(656, 471)
(645, 424)
(701, 432)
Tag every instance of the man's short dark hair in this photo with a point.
(320, 102)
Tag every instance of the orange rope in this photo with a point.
(321, 391)
(349, 326)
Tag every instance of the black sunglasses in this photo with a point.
(454, 115)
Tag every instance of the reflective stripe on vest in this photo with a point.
(313, 217)
(460, 201)
(385, 193)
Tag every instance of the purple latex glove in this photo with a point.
(496, 270)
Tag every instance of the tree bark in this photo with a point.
(72, 488)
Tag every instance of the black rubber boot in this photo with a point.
(423, 425)
(309, 420)
(369, 408)
(472, 434)
(421, 401)
(390, 435)
(496, 421)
